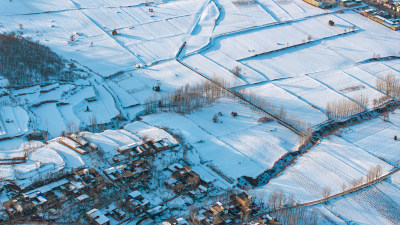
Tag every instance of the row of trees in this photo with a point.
(389, 85)
(345, 107)
(186, 99)
(298, 215)
(25, 62)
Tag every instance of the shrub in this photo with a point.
(215, 118)
(237, 70)
(265, 119)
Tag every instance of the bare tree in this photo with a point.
(344, 187)
(237, 70)
(326, 192)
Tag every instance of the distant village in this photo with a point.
(387, 14)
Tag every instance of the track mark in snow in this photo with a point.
(305, 182)
(384, 205)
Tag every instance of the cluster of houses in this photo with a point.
(382, 18)
(77, 143)
(127, 172)
(136, 203)
(350, 3)
(97, 217)
(324, 4)
(137, 150)
(327, 4)
(147, 148)
(237, 210)
(184, 179)
(81, 186)
(391, 4)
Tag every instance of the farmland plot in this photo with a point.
(278, 97)
(172, 74)
(235, 17)
(348, 86)
(331, 163)
(212, 70)
(310, 91)
(357, 208)
(376, 137)
(270, 39)
(49, 119)
(237, 146)
(246, 73)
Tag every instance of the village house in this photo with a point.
(126, 148)
(82, 198)
(266, 220)
(37, 199)
(72, 145)
(83, 142)
(92, 178)
(183, 178)
(147, 148)
(135, 202)
(126, 172)
(152, 213)
(172, 221)
(350, 3)
(97, 217)
(244, 201)
(13, 207)
(115, 213)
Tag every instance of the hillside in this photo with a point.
(25, 62)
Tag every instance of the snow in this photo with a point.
(123, 97)
(247, 74)
(106, 145)
(200, 35)
(370, 204)
(376, 137)
(14, 120)
(331, 163)
(145, 131)
(49, 119)
(228, 145)
(211, 69)
(72, 159)
(310, 91)
(171, 74)
(348, 86)
(237, 17)
(270, 39)
(46, 155)
(292, 104)
(290, 72)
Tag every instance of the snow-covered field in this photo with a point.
(286, 52)
(331, 163)
(337, 161)
(238, 146)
